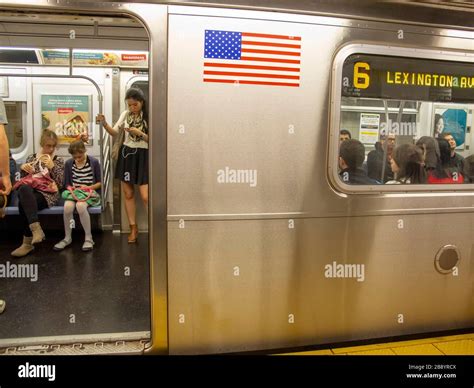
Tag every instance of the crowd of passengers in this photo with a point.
(80, 172)
(78, 180)
(429, 161)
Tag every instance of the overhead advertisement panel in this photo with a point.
(95, 58)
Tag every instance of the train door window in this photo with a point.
(16, 113)
(403, 121)
(143, 86)
(18, 56)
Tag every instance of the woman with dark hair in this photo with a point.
(408, 165)
(131, 152)
(437, 157)
(438, 125)
(444, 173)
(430, 149)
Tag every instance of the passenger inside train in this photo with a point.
(378, 160)
(82, 183)
(351, 158)
(131, 153)
(407, 164)
(456, 160)
(39, 188)
(344, 134)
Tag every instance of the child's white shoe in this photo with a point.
(88, 245)
(62, 244)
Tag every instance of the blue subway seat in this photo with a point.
(12, 210)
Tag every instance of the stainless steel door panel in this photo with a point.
(282, 277)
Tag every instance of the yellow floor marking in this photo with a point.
(425, 349)
(376, 352)
(356, 348)
(326, 352)
(455, 344)
(456, 347)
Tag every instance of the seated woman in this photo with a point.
(82, 171)
(408, 165)
(31, 200)
(444, 172)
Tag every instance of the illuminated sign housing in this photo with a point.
(383, 77)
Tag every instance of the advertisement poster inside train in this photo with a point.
(67, 115)
(453, 121)
(95, 58)
(369, 128)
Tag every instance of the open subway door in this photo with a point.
(100, 292)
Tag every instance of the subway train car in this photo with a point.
(257, 241)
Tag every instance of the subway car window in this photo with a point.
(405, 121)
(143, 86)
(18, 56)
(16, 114)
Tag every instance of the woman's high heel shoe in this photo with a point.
(133, 236)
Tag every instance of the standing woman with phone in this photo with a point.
(131, 152)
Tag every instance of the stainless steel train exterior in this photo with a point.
(243, 266)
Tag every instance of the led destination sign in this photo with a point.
(374, 76)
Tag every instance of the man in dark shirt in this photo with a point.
(378, 160)
(456, 159)
(351, 157)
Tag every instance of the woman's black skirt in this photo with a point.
(132, 165)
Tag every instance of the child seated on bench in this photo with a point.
(81, 175)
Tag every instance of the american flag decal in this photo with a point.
(252, 58)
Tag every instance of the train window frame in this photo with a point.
(336, 113)
(24, 120)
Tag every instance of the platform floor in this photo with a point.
(462, 344)
(77, 293)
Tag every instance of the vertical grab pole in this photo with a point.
(103, 195)
(70, 61)
(385, 104)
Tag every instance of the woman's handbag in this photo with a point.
(118, 142)
(82, 194)
(41, 180)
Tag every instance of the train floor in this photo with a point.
(75, 293)
(460, 344)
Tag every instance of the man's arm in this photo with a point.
(4, 162)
